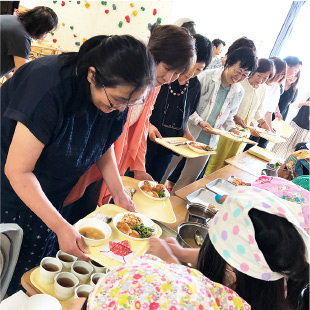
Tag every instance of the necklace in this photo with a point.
(182, 89)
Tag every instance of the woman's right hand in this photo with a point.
(154, 133)
(206, 127)
(175, 247)
(239, 121)
(70, 241)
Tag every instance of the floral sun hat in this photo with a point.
(298, 162)
(150, 283)
(291, 192)
(232, 232)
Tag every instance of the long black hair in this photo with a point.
(39, 20)
(118, 60)
(204, 49)
(284, 251)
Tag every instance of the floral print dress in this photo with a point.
(150, 283)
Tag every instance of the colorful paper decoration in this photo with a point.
(119, 248)
(142, 8)
(132, 5)
(84, 39)
(120, 24)
(134, 13)
(149, 26)
(71, 27)
(114, 6)
(74, 35)
(106, 11)
(127, 19)
(54, 40)
(154, 12)
(87, 5)
(77, 43)
(103, 2)
(63, 3)
(159, 20)
(63, 24)
(78, 2)
(52, 33)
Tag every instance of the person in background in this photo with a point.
(17, 32)
(221, 94)
(217, 47)
(173, 49)
(290, 89)
(60, 115)
(254, 244)
(174, 104)
(301, 126)
(220, 62)
(272, 96)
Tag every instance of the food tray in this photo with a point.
(140, 247)
(282, 128)
(160, 210)
(227, 135)
(220, 186)
(183, 149)
(262, 130)
(47, 288)
(262, 153)
(204, 197)
(273, 139)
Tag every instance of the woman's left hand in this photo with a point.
(265, 126)
(124, 201)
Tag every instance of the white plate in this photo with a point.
(146, 221)
(197, 150)
(153, 184)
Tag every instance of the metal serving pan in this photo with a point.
(204, 197)
(220, 186)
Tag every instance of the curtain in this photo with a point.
(287, 27)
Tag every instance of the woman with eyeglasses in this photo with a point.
(175, 102)
(174, 52)
(60, 115)
(221, 94)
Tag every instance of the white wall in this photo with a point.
(260, 20)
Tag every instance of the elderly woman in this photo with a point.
(60, 115)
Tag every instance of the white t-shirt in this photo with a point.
(272, 97)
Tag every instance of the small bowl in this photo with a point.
(197, 150)
(93, 222)
(153, 184)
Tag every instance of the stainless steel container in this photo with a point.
(187, 231)
(198, 213)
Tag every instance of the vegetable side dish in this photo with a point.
(157, 191)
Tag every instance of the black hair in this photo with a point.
(292, 61)
(265, 65)
(285, 253)
(280, 66)
(118, 60)
(173, 45)
(246, 56)
(217, 42)
(241, 42)
(39, 20)
(301, 146)
(204, 49)
(190, 26)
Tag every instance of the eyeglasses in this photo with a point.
(125, 104)
(239, 71)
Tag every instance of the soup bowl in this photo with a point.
(96, 224)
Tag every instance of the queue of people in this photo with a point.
(73, 124)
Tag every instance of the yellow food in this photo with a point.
(92, 233)
(124, 228)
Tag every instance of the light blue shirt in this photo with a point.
(219, 101)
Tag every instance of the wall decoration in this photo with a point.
(76, 21)
(154, 12)
(54, 40)
(77, 43)
(63, 3)
(132, 5)
(87, 5)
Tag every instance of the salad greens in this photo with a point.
(143, 231)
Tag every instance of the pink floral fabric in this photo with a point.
(150, 283)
